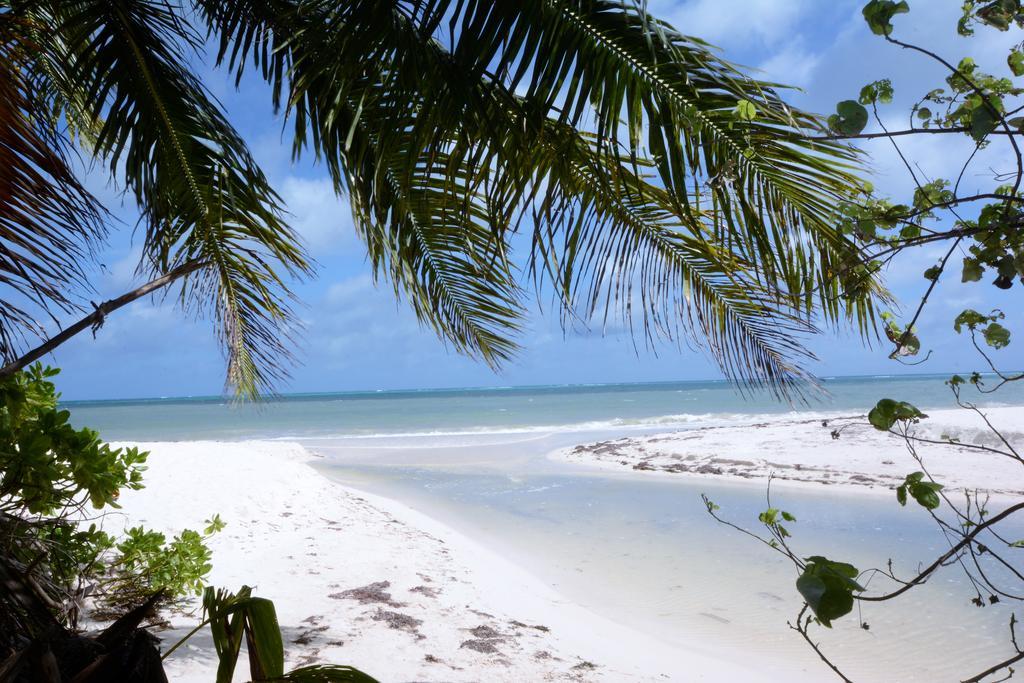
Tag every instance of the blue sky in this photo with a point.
(358, 337)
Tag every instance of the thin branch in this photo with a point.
(95, 319)
(967, 540)
(993, 669)
(899, 133)
(924, 299)
(801, 628)
(985, 98)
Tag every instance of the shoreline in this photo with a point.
(357, 578)
(366, 580)
(804, 453)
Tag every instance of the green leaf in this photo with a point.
(266, 649)
(325, 673)
(1007, 267)
(879, 14)
(996, 336)
(879, 91)
(887, 412)
(926, 493)
(906, 341)
(746, 110)
(214, 525)
(983, 122)
(910, 231)
(850, 118)
(1000, 14)
(233, 616)
(973, 270)
(932, 194)
(924, 113)
(933, 273)
(909, 344)
(828, 588)
(971, 318)
(1016, 62)
(962, 81)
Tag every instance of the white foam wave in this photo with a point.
(660, 422)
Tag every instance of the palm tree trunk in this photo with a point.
(96, 318)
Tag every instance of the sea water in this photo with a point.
(538, 409)
(636, 549)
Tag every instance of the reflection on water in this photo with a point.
(644, 552)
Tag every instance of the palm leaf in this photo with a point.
(325, 673)
(431, 234)
(231, 616)
(48, 221)
(621, 243)
(203, 198)
(725, 245)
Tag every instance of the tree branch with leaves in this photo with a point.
(982, 235)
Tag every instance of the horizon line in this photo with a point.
(421, 390)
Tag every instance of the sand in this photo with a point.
(843, 451)
(366, 581)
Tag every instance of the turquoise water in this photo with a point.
(643, 551)
(459, 411)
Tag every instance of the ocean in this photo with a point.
(453, 412)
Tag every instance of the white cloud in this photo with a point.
(322, 218)
(122, 273)
(354, 312)
(734, 21)
(793, 65)
(349, 291)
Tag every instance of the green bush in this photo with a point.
(53, 480)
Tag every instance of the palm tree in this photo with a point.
(645, 177)
(651, 179)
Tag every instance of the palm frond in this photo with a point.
(428, 224)
(325, 673)
(618, 245)
(431, 233)
(609, 67)
(233, 617)
(543, 112)
(203, 198)
(48, 221)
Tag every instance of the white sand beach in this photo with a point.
(365, 581)
(802, 450)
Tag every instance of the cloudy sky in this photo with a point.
(358, 337)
